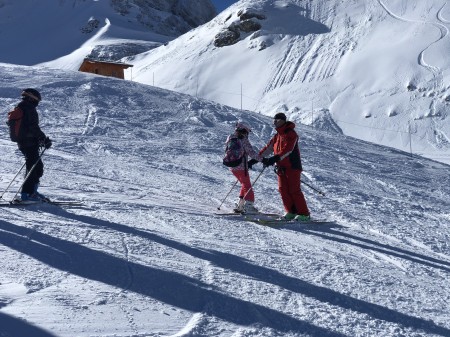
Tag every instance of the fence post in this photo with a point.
(410, 138)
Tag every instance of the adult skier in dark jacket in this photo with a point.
(284, 146)
(33, 138)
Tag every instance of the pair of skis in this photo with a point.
(271, 219)
(18, 203)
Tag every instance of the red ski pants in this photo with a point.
(246, 186)
(291, 193)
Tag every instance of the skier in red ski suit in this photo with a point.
(284, 146)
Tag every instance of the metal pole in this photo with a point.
(227, 195)
(410, 138)
(7, 188)
(241, 96)
(254, 182)
(313, 188)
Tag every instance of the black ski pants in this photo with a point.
(31, 154)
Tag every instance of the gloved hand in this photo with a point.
(252, 162)
(271, 160)
(45, 142)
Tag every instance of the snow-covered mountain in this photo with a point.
(377, 70)
(147, 256)
(33, 32)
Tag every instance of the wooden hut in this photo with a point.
(105, 68)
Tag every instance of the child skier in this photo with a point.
(246, 200)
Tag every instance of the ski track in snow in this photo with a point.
(440, 15)
(436, 71)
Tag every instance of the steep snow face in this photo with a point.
(378, 68)
(34, 32)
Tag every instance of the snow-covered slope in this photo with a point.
(146, 256)
(35, 32)
(379, 68)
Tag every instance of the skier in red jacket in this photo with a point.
(284, 146)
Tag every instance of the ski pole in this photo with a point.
(254, 182)
(29, 173)
(7, 188)
(313, 188)
(227, 195)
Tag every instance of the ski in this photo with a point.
(228, 214)
(282, 222)
(55, 203)
(272, 219)
(248, 214)
(65, 203)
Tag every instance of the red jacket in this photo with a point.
(285, 145)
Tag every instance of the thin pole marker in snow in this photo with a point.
(241, 96)
(410, 138)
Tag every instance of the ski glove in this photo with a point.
(252, 162)
(271, 160)
(45, 142)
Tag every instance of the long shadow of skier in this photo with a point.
(244, 267)
(328, 233)
(237, 264)
(165, 286)
(11, 326)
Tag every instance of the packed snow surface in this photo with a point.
(146, 255)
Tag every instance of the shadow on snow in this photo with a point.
(327, 232)
(165, 286)
(11, 326)
(189, 293)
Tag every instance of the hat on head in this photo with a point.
(240, 126)
(280, 115)
(31, 93)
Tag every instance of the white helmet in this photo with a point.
(240, 126)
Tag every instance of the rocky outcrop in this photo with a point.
(90, 26)
(247, 23)
(167, 17)
(226, 38)
(249, 26)
(248, 14)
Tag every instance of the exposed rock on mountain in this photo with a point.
(167, 17)
(59, 28)
(247, 23)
